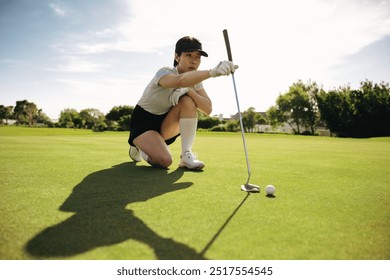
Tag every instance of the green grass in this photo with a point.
(74, 194)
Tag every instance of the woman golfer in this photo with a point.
(168, 107)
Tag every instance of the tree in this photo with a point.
(92, 118)
(275, 116)
(124, 123)
(2, 113)
(25, 112)
(207, 122)
(260, 119)
(249, 119)
(42, 118)
(312, 116)
(70, 118)
(364, 112)
(31, 113)
(297, 108)
(371, 108)
(232, 126)
(5, 113)
(119, 111)
(119, 118)
(334, 109)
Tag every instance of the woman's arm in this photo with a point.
(191, 78)
(201, 99)
(186, 79)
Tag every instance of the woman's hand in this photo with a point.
(224, 68)
(176, 94)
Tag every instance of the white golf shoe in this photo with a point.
(135, 154)
(144, 156)
(190, 161)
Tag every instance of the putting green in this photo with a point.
(74, 194)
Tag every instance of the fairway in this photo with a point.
(75, 194)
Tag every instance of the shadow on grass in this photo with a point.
(211, 242)
(101, 218)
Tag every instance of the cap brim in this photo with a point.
(203, 53)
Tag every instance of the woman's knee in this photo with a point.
(154, 147)
(188, 102)
(164, 160)
(187, 107)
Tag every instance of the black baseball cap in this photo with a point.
(189, 44)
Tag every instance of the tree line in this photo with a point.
(27, 113)
(346, 112)
(24, 113)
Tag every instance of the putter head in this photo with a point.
(250, 188)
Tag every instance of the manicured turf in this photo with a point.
(74, 194)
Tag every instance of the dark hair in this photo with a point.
(188, 44)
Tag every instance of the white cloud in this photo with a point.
(76, 64)
(281, 35)
(58, 10)
(274, 42)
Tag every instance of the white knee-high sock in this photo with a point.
(187, 132)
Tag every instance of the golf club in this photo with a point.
(247, 186)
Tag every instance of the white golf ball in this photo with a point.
(270, 189)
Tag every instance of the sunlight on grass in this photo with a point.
(74, 194)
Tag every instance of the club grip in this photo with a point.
(227, 43)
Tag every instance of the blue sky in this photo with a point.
(99, 54)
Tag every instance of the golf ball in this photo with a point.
(270, 189)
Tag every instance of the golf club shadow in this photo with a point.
(100, 217)
(212, 240)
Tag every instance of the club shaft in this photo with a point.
(229, 52)
(242, 130)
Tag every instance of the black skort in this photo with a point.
(142, 121)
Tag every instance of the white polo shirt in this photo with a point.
(155, 98)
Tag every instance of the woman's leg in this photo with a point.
(154, 146)
(182, 119)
